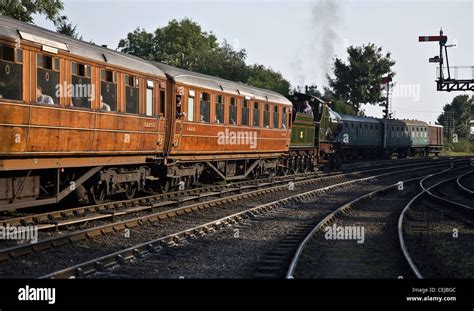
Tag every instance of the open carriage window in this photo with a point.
(220, 102)
(256, 114)
(205, 107)
(276, 117)
(108, 90)
(233, 111)
(132, 97)
(284, 118)
(266, 116)
(81, 91)
(11, 73)
(245, 112)
(47, 79)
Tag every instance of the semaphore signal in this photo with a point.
(446, 84)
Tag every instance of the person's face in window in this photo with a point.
(39, 92)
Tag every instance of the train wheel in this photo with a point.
(165, 186)
(97, 194)
(131, 191)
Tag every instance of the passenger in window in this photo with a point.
(232, 121)
(103, 106)
(307, 108)
(42, 98)
(179, 114)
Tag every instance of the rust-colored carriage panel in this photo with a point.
(435, 135)
(211, 139)
(30, 129)
(199, 138)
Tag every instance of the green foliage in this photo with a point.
(227, 63)
(342, 107)
(65, 27)
(358, 81)
(265, 78)
(462, 146)
(459, 113)
(337, 104)
(23, 10)
(184, 44)
(139, 43)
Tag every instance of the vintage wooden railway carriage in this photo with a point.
(76, 118)
(223, 129)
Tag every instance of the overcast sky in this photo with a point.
(299, 38)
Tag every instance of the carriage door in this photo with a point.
(180, 116)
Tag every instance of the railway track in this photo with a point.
(323, 255)
(466, 182)
(55, 217)
(142, 249)
(436, 231)
(373, 254)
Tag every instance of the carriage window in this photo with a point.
(108, 90)
(149, 98)
(191, 106)
(131, 94)
(81, 85)
(220, 102)
(266, 116)
(276, 117)
(205, 105)
(256, 114)
(47, 79)
(162, 102)
(233, 111)
(284, 118)
(11, 73)
(245, 112)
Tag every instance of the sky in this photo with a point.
(300, 38)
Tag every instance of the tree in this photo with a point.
(227, 63)
(266, 78)
(24, 10)
(456, 116)
(358, 81)
(65, 27)
(139, 43)
(186, 45)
